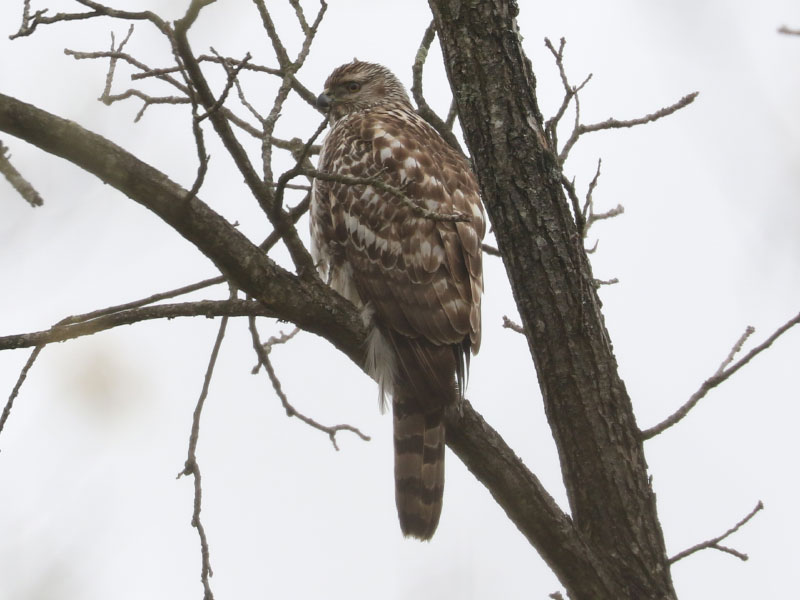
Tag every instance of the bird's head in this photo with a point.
(357, 86)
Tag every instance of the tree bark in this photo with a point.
(587, 405)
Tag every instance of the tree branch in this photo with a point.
(20, 380)
(17, 181)
(204, 308)
(612, 123)
(721, 375)
(263, 359)
(423, 108)
(308, 303)
(191, 467)
(714, 542)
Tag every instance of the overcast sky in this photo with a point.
(708, 244)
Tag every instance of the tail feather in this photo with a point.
(425, 383)
(418, 469)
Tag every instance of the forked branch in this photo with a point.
(714, 543)
(444, 127)
(722, 374)
(262, 352)
(191, 467)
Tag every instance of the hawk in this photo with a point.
(417, 279)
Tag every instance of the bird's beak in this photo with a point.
(324, 101)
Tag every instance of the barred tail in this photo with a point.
(418, 468)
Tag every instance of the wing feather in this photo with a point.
(422, 277)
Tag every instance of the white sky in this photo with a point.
(89, 504)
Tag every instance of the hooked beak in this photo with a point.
(324, 101)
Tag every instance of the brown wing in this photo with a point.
(423, 277)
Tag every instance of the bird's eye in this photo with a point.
(353, 86)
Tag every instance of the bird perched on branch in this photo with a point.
(405, 246)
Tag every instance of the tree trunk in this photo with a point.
(588, 408)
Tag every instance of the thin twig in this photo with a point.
(275, 340)
(580, 220)
(570, 92)
(722, 374)
(512, 325)
(788, 31)
(601, 282)
(445, 128)
(715, 542)
(203, 308)
(263, 359)
(191, 467)
(612, 123)
(233, 74)
(112, 64)
(17, 181)
(300, 164)
(20, 380)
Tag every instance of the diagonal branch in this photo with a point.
(262, 192)
(612, 123)
(714, 543)
(445, 128)
(308, 303)
(263, 360)
(17, 181)
(721, 375)
(20, 380)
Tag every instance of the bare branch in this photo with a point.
(715, 542)
(737, 347)
(570, 92)
(594, 217)
(263, 359)
(788, 31)
(612, 123)
(512, 325)
(30, 23)
(260, 190)
(423, 108)
(112, 64)
(191, 467)
(275, 340)
(233, 74)
(203, 308)
(17, 181)
(580, 220)
(722, 374)
(20, 380)
(601, 282)
(301, 164)
(490, 250)
(298, 87)
(376, 182)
